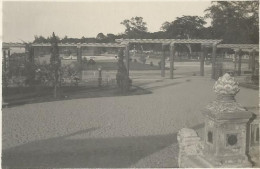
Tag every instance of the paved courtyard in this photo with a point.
(126, 131)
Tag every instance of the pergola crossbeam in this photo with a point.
(239, 46)
(169, 41)
(106, 45)
(9, 45)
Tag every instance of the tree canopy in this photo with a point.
(235, 21)
(184, 27)
(134, 26)
(232, 21)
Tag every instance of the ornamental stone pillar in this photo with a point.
(226, 134)
(225, 127)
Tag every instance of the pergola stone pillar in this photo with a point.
(239, 62)
(79, 59)
(163, 59)
(253, 62)
(172, 55)
(9, 55)
(127, 57)
(250, 59)
(4, 60)
(235, 60)
(213, 71)
(202, 59)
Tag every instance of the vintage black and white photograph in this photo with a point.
(130, 84)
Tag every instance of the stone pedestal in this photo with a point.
(253, 141)
(225, 127)
(225, 137)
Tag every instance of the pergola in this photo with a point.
(29, 47)
(171, 42)
(125, 43)
(80, 45)
(251, 48)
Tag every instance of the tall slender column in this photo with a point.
(127, 57)
(8, 60)
(239, 62)
(249, 59)
(4, 61)
(172, 55)
(163, 60)
(31, 54)
(253, 62)
(213, 71)
(235, 61)
(79, 59)
(202, 59)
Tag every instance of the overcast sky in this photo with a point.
(23, 20)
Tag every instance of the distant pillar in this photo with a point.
(253, 62)
(213, 71)
(202, 59)
(249, 60)
(127, 58)
(235, 61)
(99, 77)
(8, 60)
(31, 54)
(163, 60)
(4, 60)
(79, 59)
(172, 55)
(239, 62)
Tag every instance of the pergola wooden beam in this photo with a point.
(15, 45)
(239, 46)
(103, 45)
(168, 41)
(107, 45)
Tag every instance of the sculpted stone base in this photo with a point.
(192, 155)
(197, 161)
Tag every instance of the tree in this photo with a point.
(135, 27)
(235, 21)
(100, 36)
(111, 37)
(185, 27)
(55, 63)
(165, 26)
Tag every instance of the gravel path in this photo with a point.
(127, 131)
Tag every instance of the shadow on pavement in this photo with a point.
(76, 94)
(66, 152)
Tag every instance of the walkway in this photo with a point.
(128, 131)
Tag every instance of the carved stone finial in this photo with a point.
(226, 88)
(226, 85)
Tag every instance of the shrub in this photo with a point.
(91, 62)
